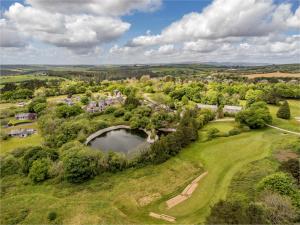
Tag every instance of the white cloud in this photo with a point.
(96, 7)
(226, 18)
(294, 21)
(10, 38)
(80, 26)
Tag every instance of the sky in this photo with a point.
(149, 31)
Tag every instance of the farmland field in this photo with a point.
(277, 74)
(21, 78)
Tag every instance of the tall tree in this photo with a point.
(284, 111)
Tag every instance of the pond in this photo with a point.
(120, 140)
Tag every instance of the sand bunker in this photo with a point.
(186, 193)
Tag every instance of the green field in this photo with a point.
(291, 124)
(120, 198)
(21, 78)
(16, 142)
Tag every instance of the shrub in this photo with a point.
(119, 113)
(292, 166)
(9, 165)
(127, 116)
(212, 132)
(3, 135)
(110, 109)
(284, 111)
(115, 162)
(234, 131)
(280, 183)
(79, 167)
(52, 216)
(39, 170)
(65, 111)
(35, 153)
(279, 209)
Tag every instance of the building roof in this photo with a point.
(207, 106)
(233, 107)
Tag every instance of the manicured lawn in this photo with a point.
(120, 198)
(221, 126)
(291, 124)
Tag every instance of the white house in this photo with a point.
(22, 132)
(231, 109)
(213, 108)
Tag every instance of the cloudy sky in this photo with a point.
(149, 31)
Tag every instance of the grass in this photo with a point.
(16, 142)
(21, 78)
(291, 124)
(117, 198)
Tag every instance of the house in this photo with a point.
(231, 109)
(26, 116)
(68, 101)
(21, 132)
(213, 108)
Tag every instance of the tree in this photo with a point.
(79, 167)
(225, 212)
(39, 170)
(253, 96)
(284, 111)
(255, 116)
(9, 165)
(131, 102)
(65, 111)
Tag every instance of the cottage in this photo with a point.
(26, 116)
(231, 109)
(213, 108)
(68, 101)
(21, 132)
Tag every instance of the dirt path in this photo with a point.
(186, 193)
(287, 131)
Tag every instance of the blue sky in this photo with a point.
(137, 34)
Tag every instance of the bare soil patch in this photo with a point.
(286, 155)
(277, 74)
(186, 193)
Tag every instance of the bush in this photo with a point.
(119, 113)
(65, 111)
(127, 116)
(284, 111)
(9, 165)
(280, 183)
(256, 116)
(3, 135)
(234, 131)
(212, 132)
(79, 167)
(115, 162)
(110, 109)
(52, 216)
(292, 166)
(39, 170)
(34, 153)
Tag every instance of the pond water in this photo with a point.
(121, 140)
